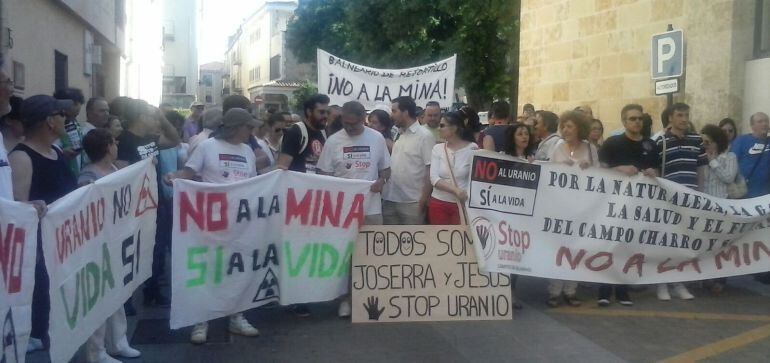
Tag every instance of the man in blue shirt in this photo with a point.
(753, 154)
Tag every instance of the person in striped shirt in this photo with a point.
(684, 161)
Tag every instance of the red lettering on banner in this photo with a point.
(146, 200)
(730, 252)
(758, 245)
(566, 252)
(607, 263)
(662, 267)
(319, 208)
(635, 260)
(485, 170)
(203, 211)
(83, 226)
(301, 209)
(12, 257)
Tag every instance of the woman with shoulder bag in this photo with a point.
(722, 177)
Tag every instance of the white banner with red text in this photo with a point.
(282, 237)
(597, 225)
(345, 81)
(98, 243)
(18, 253)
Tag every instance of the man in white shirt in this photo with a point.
(357, 152)
(406, 194)
(431, 118)
(224, 159)
(546, 124)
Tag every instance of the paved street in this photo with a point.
(732, 327)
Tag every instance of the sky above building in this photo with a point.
(219, 20)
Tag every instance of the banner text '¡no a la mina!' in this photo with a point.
(345, 81)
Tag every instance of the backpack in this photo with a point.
(304, 138)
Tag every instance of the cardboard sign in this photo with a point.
(423, 273)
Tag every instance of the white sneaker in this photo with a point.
(663, 294)
(239, 325)
(344, 310)
(199, 333)
(34, 344)
(682, 292)
(127, 352)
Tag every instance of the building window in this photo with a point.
(207, 80)
(275, 67)
(61, 77)
(762, 30)
(209, 99)
(254, 74)
(173, 85)
(254, 37)
(18, 76)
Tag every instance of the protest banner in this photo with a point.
(18, 253)
(597, 225)
(98, 243)
(423, 273)
(345, 81)
(281, 237)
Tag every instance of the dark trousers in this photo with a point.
(41, 300)
(162, 244)
(605, 291)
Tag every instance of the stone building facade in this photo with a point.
(597, 53)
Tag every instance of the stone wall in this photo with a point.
(597, 53)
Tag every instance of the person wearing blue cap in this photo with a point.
(40, 172)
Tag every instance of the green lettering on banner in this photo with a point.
(218, 266)
(72, 317)
(295, 269)
(325, 261)
(91, 278)
(106, 269)
(192, 253)
(345, 265)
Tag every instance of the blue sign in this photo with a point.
(667, 52)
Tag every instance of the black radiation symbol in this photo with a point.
(268, 288)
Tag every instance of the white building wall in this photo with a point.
(756, 95)
(141, 65)
(180, 55)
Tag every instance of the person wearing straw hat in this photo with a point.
(450, 167)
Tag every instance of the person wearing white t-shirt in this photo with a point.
(224, 159)
(405, 197)
(357, 152)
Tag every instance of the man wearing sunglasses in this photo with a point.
(629, 153)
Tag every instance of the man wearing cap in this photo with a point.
(191, 125)
(41, 173)
(228, 145)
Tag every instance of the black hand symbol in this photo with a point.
(371, 308)
(483, 233)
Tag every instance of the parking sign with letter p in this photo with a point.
(667, 55)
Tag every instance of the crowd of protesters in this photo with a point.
(418, 161)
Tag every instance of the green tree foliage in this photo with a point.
(405, 33)
(300, 95)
